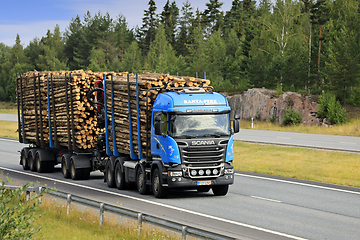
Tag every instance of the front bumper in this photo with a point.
(187, 182)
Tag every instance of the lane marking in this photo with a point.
(298, 183)
(9, 140)
(161, 205)
(266, 199)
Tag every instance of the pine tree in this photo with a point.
(184, 37)
(161, 55)
(211, 16)
(169, 19)
(146, 34)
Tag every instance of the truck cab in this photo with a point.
(192, 140)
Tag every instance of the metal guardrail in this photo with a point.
(140, 217)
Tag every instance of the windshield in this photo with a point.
(199, 125)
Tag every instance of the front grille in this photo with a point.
(205, 154)
(203, 161)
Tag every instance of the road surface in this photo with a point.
(256, 207)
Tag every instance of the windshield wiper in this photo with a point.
(212, 135)
(187, 136)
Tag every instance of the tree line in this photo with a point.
(305, 46)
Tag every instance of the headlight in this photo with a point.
(229, 171)
(208, 172)
(215, 171)
(175, 174)
(201, 172)
(193, 172)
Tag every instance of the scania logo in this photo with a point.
(202, 143)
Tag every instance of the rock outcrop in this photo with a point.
(263, 103)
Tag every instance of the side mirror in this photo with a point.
(158, 128)
(237, 116)
(236, 126)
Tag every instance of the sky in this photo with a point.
(32, 19)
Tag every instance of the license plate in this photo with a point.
(203, 183)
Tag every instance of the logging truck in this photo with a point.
(156, 132)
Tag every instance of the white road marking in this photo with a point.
(161, 205)
(266, 199)
(9, 140)
(298, 183)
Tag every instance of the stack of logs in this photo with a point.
(34, 107)
(80, 114)
(121, 105)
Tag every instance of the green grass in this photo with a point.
(8, 108)
(351, 128)
(301, 163)
(9, 129)
(56, 224)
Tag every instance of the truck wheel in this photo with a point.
(119, 177)
(65, 165)
(158, 190)
(44, 160)
(75, 173)
(203, 189)
(141, 181)
(109, 175)
(220, 190)
(31, 160)
(23, 158)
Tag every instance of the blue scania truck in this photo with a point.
(190, 135)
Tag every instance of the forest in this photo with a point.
(304, 46)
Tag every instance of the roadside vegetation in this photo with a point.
(8, 108)
(85, 225)
(300, 163)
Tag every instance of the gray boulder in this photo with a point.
(264, 103)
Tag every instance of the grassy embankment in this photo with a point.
(84, 224)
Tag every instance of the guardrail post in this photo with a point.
(68, 203)
(27, 196)
(140, 215)
(184, 231)
(40, 191)
(101, 214)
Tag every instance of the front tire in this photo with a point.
(220, 190)
(157, 187)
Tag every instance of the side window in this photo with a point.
(164, 122)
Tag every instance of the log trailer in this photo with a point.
(188, 128)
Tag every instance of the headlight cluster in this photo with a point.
(202, 172)
(175, 174)
(229, 171)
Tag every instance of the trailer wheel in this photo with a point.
(157, 187)
(220, 190)
(119, 177)
(31, 159)
(76, 173)
(65, 168)
(23, 158)
(141, 181)
(109, 175)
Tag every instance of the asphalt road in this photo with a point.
(256, 207)
(320, 141)
(9, 117)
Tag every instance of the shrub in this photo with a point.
(292, 118)
(18, 216)
(331, 109)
